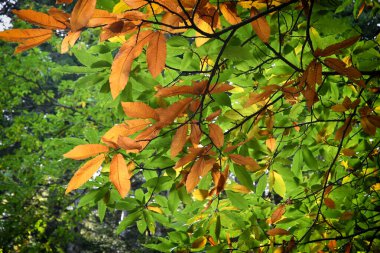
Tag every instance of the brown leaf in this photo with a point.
(81, 14)
(69, 41)
(249, 162)
(179, 140)
(347, 215)
(367, 126)
(64, 1)
(40, 19)
(332, 49)
(374, 120)
(120, 175)
(199, 243)
(339, 108)
(228, 10)
(193, 177)
(81, 152)
(139, 110)
(340, 67)
(329, 203)
(277, 214)
(348, 152)
(216, 135)
(84, 173)
(277, 231)
(332, 245)
(156, 54)
(314, 73)
(213, 115)
(230, 148)
(196, 134)
(346, 129)
(260, 26)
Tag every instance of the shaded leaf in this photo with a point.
(332, 49)
(277, 231)
(329, 203)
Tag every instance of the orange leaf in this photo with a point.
(139, 110)
(199, 243)
(277, 214)
(39, 18)
(156, 54)
(216, 135)
(120, 175)
(179, 140)
(101, 18)
(332, 49)
(85, 173)
(213, 115)
(21, 35)
(277, 231)
(136, 4)
(147, 136)
(33, 42)
(260, 26)
(60, 16)
(194, 152)
(64, 1)
(129, 128)
(229, 12)
(81, 152)
(193, 177)
(174, 91)
(168, 115)
(81, 14)
(329, 203)
(69, 41)
(249, 162)
(271, 144)
(129, 144)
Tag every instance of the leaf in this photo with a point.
(260, 26)
(332, 49)
(277, 214)
(69, 41)
(340, 67)
(33, 42)
(196, 134)
(81, 152)
(27, 38)
(204, 26)
(81, 14)
(309, 158)
(216, 135)
(139, 110)
(169, 114)
(193, 177)
(277, 183)
(314, 73)
(199, 243)
(129, 144)
(156, 54)
(277, 231)
(329, 203)
(179, 140)
(271, 144)
(101, 18)
(40, 19)
(249, 162)
(85, 173)
(229, 12)
(343, 131)
(120, 175)
(60, 16)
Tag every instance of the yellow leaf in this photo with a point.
(200, 194)
(199, 243)
(81, 152)
(155, 209)
(376, 187)
(119, 175)
(85, 173)
(120, 7)
(204, 26)
(344, 164)
(277, 183)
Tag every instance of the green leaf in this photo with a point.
(128, 221)
(308, 158)
(237, 200)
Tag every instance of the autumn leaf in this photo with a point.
(277, 183)
(81, 152)
(343, 131)
(314, 73)
(120, 175)
(329, 203)
(271, 144)
(84, 173)
(27, 38)
(216, 135)
(139, 110)
(179, 140)
(60, 16)
(64, 1)
(229, 12)
(40, 19)
(169, 114)
(199, 243)
(69, 41)
(156, 54)
(260, 26)
(81, 14)
(249, 162)
(277, 214)
(332, 49)
(277, 231)
(204, 26)
(193, 177)
(101, 18)
(195, 134)
(129, 144)
(340, 67)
